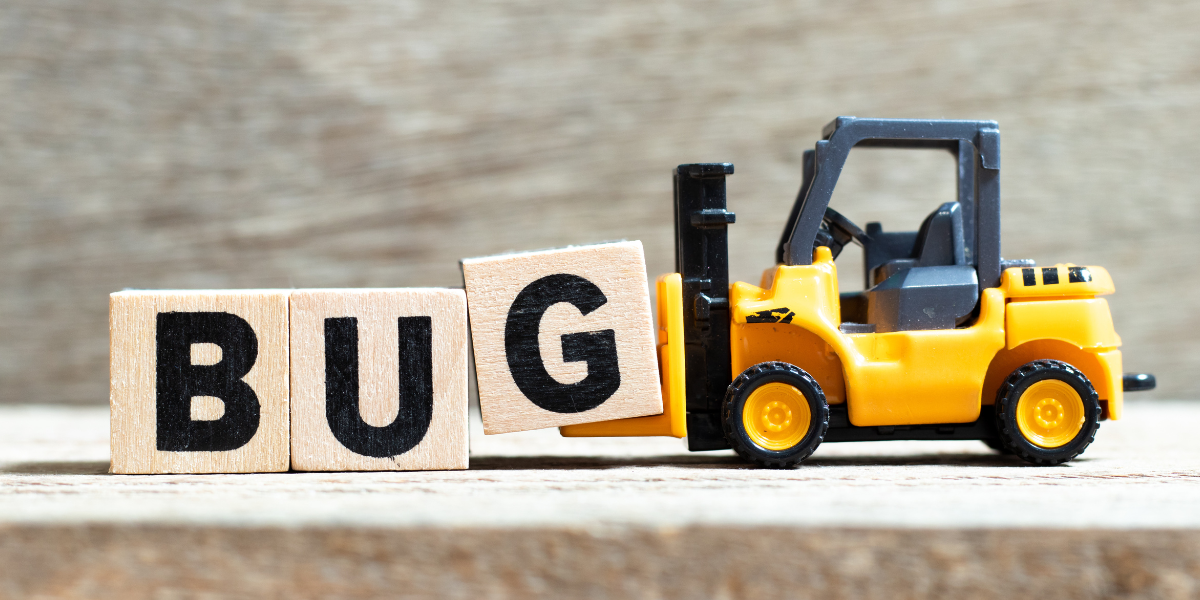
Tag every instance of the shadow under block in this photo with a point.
(199, 381)
(379, 379)
(562, 337)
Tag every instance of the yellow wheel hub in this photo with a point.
(1050, 413)
(776, 416)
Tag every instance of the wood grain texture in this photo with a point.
(444, 441)
(151, 562)
(134, 425)
(619, 307)
(538, 515)
(1139, 474)
(297, 143)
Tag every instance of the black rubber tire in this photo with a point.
(735, 401)
(1006, 418)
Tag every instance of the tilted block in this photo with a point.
(199, 381)
(379, 379)
(562, 337)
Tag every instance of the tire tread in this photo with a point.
(744, 449)
(1010, 435)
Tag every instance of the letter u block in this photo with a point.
(199, 381)
(379, 379)
(562, 337)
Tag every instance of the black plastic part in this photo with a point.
(854, 307)
(885, 247)
(805, 182)
(837, 231)
(1006, 264)
(1137, 382)
(840, 429)
(976, 146)
(735, 401)
(940, 238)
(929, 286)
(702, 259)
(1010, 393)
(923, 298)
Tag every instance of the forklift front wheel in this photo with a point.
(775, 414)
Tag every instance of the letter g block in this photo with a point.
(562, 337)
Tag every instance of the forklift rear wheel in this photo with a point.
(1047, 412)
(775, 414)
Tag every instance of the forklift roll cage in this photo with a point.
(975, 146)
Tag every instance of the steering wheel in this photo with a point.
(836, 231)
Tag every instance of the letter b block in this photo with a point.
(379, 379)
(199, 381)
(562, 337)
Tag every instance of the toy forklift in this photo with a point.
(949, 341)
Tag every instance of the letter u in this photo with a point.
(416, 388)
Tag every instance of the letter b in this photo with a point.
(172, 349)
(178, 381)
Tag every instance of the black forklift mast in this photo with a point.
(702, 259)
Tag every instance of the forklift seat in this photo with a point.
(934, 287)
(940, 239)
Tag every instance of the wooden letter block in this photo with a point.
(199, 381)
(562, 337)
(379, 379)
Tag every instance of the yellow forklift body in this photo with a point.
(1084, 322)
(896, 378)
(1059, 303)
(1114, 396)
(1062, 280)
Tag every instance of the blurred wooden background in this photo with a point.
(234, 143)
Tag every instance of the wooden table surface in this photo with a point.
(586, 501)
(1142, 471)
